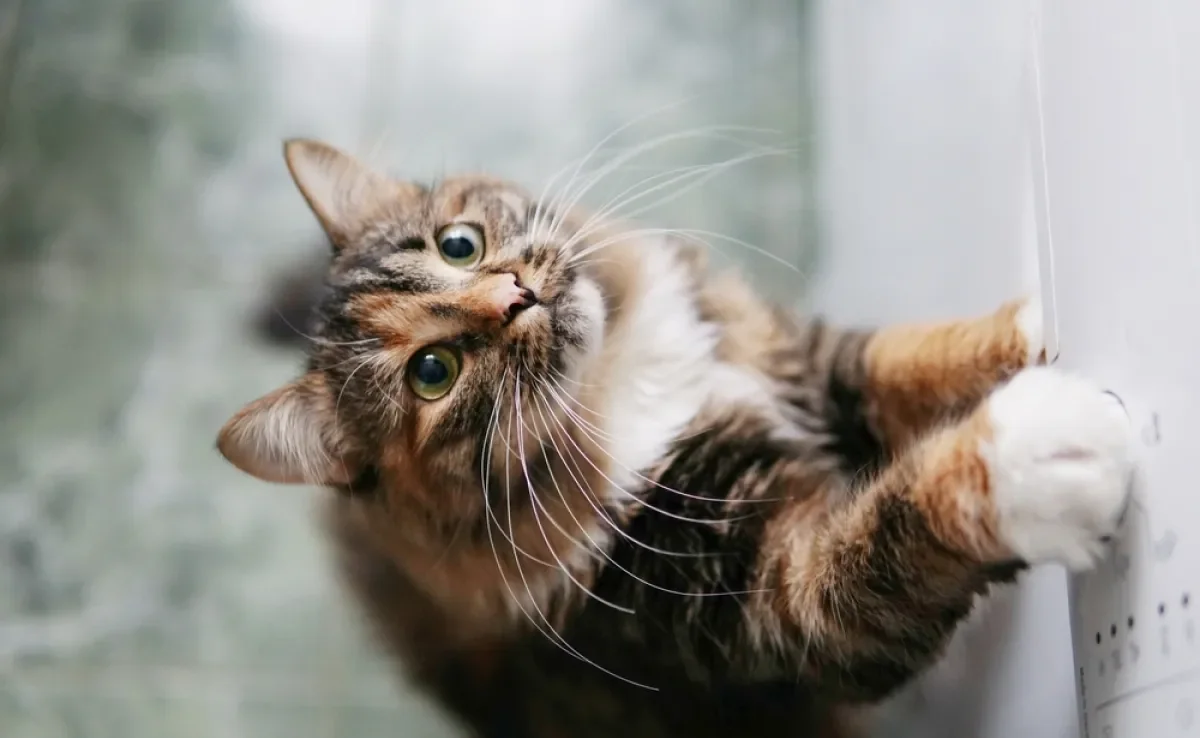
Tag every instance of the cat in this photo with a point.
(583, 486)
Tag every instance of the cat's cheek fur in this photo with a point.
(1060, 462)
(589, 302)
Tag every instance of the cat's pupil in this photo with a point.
(458, 247)
(431, 370)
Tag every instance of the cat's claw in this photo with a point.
(1061, 463)
(1031, 324)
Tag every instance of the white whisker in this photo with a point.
(581, 422)
(553, 636)
(576, 382)
(338, 402)
(647, 505)
(583, 490)
(487, 499)
(592, 500)
(596, 149)
(562, 205)
(661, 180)
(389, 398)
(562, 392)
(695, 233)
(325, 341)
(500, 569)
(536, 503)
(697, 175)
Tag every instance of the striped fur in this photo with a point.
(653, 504)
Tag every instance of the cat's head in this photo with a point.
(443, 308)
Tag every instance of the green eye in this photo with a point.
(461, 244)
(432, 372)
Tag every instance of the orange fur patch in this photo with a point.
(916, 373)
(406, 321)
(952, 486)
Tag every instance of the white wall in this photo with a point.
(926, 212)
(1121, 87)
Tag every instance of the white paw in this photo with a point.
(1061, 463)
(1031, 322)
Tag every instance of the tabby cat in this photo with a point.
(583, 487)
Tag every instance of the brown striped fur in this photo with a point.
(808, 538)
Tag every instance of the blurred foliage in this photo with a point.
(110, 112)
(755, 53)
(92, 88)
(109, 108)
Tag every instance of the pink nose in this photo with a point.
(507, 297)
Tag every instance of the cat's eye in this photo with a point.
(461, 244)
(432, 371)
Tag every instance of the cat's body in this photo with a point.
(586, 488)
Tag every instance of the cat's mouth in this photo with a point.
(522, 300)
(562, 328)
(533, 325)
(520, 317)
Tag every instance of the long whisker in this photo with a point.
(592, 550)
(533, 499)
(659, 181)
(319, 340)
(696, 233)
(562, 206)
(698, 175)
(647, 505)
(580, 486)
(620, 161)
(369, 354)
(539, 400)
(602, 514)
(553, 385)
(338, 402)
(489, 440)
(582, 161)
(487, 498)
(650, 184)
(558, 209)
(582, 423)
(379, 357)
(573, 381)
(755, 151)
(500, 569)
(553, 635)
(545, 209)
(388, 397)
(598, 432)
(494, 427)
(508, 493)
(583, 490)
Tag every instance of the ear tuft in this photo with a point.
(289, 436)
(341, 191)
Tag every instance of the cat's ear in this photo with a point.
(342, 191)
(289, 436)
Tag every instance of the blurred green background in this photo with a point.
(146, 588)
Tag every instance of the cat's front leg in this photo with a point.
(1039, 472)
(913, 376)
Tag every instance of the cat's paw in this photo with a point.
(1030, 323)
(1061, 461)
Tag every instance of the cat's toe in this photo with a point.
(1061, 462)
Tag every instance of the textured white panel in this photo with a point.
(928, 211)
(1121, 102)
